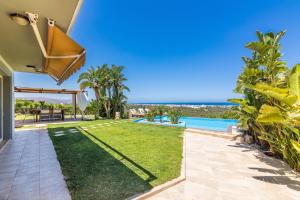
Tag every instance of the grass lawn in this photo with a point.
(107, 159)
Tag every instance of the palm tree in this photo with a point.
(109, 87)
(90, 79)
(104, 78)
(118, 88)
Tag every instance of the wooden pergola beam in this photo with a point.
(46, 91)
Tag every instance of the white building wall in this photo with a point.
(8, 111)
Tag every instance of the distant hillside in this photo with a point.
(48, 100)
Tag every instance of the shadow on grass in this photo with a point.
(150, 176)
(92, 171)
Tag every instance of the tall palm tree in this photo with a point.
(118, 86)
(90, 79)
(108, 85)
(104, 78)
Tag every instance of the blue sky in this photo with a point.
(176, 50)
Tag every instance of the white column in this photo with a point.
(74, 104)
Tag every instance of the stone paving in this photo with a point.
(220, 169)
(29, 169)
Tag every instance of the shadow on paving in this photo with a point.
(281, 173)
(92, 171)
(245, 147)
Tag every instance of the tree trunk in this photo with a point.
(108, 104)
(97, 93)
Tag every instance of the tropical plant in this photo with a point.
(174, 115)
(150, 115)
(95, 107)
(90, 79)
(160, 110)
(119, 100)
(270, 108)
(108, 85)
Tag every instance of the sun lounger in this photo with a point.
(134, 113)
(142, 111)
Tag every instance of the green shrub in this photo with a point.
(95, 106)
(160, 110)
(174, 115)
(150, 115)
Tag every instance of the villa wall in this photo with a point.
(7, 101)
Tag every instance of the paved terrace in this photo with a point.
(29, 169)
(218, 168)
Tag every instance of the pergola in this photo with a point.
(52, 91)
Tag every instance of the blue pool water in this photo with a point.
(208, 123)
(202, 123)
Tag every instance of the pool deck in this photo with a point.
(219, 168)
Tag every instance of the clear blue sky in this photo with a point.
(177, 50)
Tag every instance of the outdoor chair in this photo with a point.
(57, 115)
(45, 115)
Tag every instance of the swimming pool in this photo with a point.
(214, 124)
(209, 123)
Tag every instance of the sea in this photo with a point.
(189, 104)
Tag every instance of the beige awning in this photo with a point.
(65, 56)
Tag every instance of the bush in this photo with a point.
(174, 115)
(160, 110)
(95, 107)
(150, 115)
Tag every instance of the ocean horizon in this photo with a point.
(197, 104)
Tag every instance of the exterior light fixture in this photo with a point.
(20, 19)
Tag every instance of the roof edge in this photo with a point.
(75, 15)
(8, 69)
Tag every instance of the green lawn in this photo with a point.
(116, 159)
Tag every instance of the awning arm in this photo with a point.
(33, 19)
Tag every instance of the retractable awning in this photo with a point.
(63, 55)
(61, 64)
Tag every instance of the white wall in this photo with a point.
(7, 112)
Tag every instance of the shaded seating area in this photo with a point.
(49, 114)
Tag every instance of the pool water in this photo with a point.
(209, 123)
(214, 124)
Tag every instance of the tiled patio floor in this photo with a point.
(218, 169)
(29, 168)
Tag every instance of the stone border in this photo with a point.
(140, 120)
(168, 184)
(213, 133)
